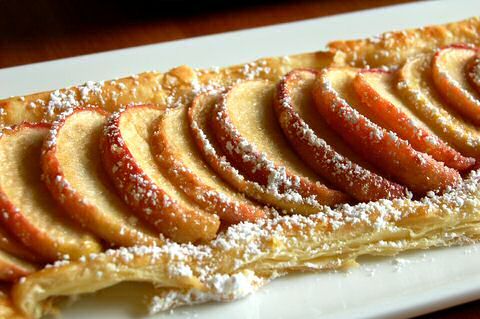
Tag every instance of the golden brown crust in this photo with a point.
(393, 48)
(109, 95)
(256, 252)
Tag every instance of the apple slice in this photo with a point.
(75, 177)
(13, 268)
(315, 142)
(449, 72)
(418, 171)
(10, 245)
(177, 153)
(26, 208)
(245, 128)
(376, 90)
(129, 161)
(416, 86)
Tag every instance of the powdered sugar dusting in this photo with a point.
(376, 145)
(278, 182)
(445, 70)
(248, 255)
(336, 168)
(152, 197)
(198, 185)
(474, 73)
(426, 102)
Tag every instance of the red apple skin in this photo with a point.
(39, 241)
(148, 200)
(348, 176)
(84, 212)
(12, 268)
(390, 116)
(258, 169)
(416, 170)
(216, 201)
(466, 103)
(198, 118)
(11, 246)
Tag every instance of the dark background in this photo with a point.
(34, 31)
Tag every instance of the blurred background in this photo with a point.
(41, 30)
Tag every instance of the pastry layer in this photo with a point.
(248, 133)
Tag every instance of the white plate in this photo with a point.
(413, 284)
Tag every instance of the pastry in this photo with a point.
(349, 118)
(7, 310)
(207, 255)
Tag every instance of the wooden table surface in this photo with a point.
(42, 30)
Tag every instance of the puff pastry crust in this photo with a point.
(247, 256)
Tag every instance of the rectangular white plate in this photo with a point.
(409, 285)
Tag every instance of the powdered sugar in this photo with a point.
(327, 162)
(309, 237)
(278, 182)
(474, 73)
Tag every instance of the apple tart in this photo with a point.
(211, 183)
